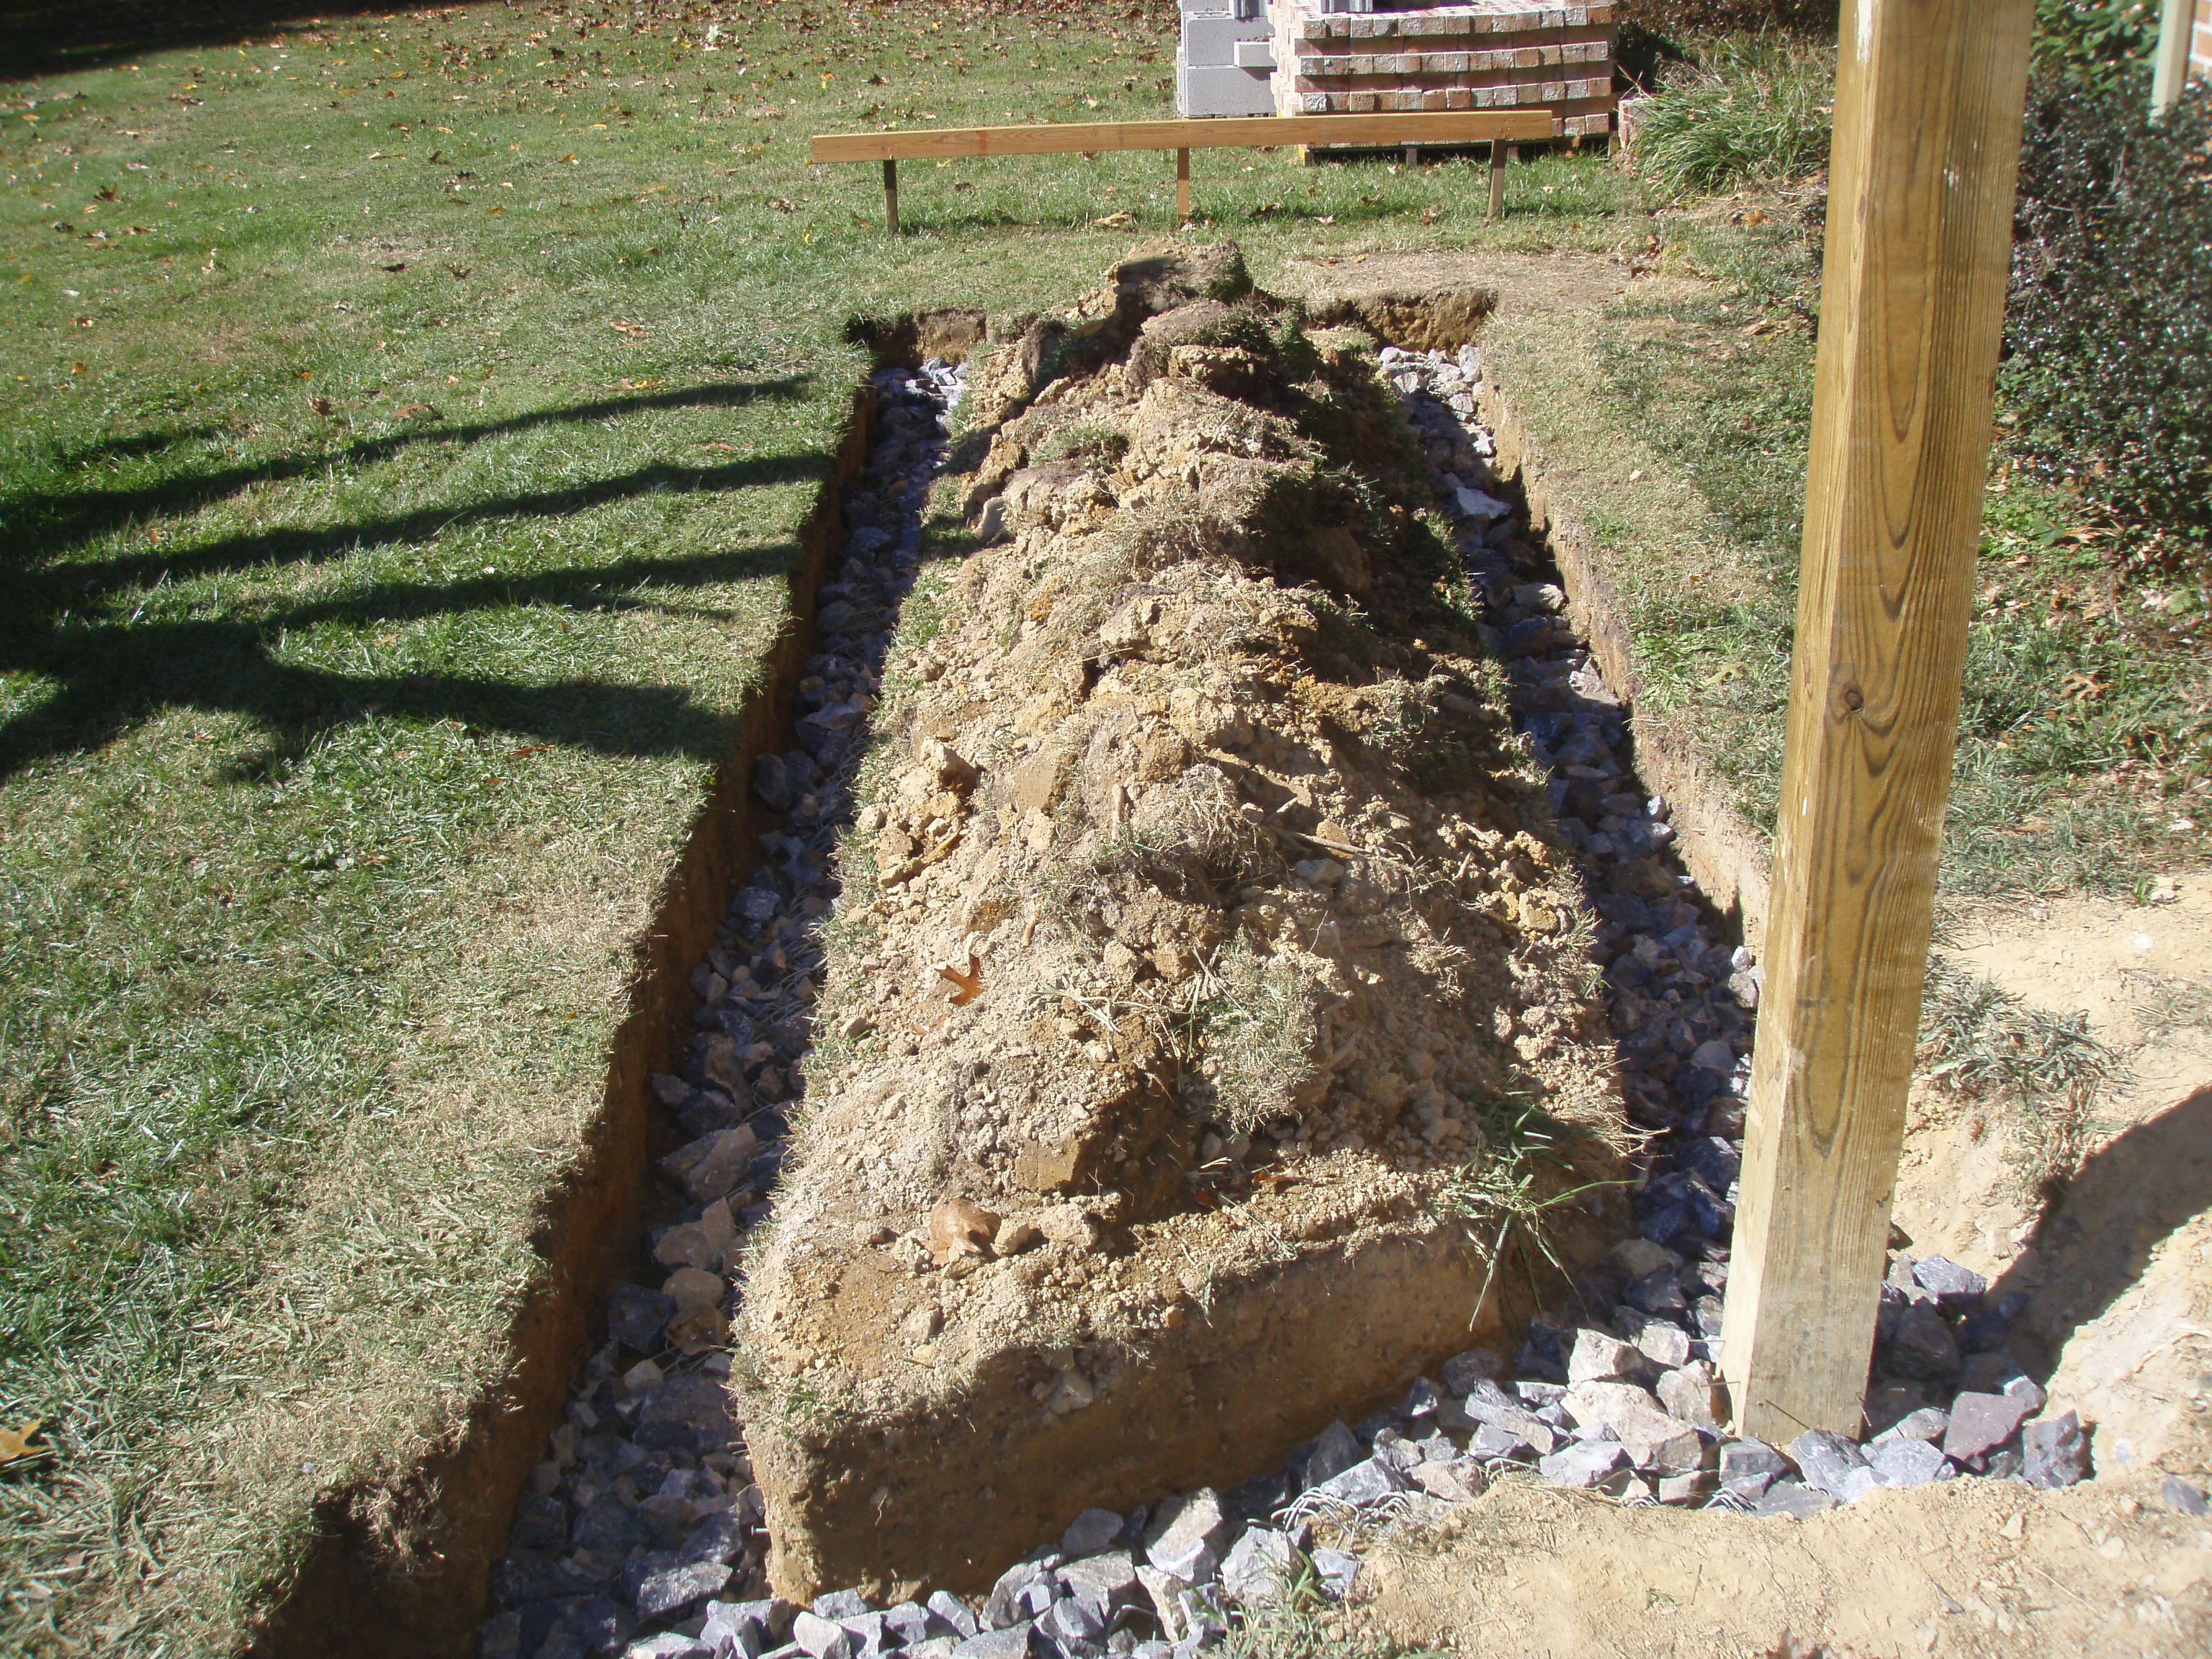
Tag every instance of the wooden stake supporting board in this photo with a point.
(1494, 127)
(1928, 100)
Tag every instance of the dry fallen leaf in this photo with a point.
(15, 1443)
(414, 412)
(958, 1227)
(636, 331)
(1120, 220)
(970, 983)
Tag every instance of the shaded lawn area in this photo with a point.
(413, 417)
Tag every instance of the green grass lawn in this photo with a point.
(411, 421)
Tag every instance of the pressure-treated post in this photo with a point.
(1498, 152)
(1182, 185)
(1929, 97)
(2170, 69)
(890, 197)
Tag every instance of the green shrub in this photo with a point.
(2109, 332)
(2093, 43)
(1758, 107)
(1658, 35)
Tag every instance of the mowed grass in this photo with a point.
(412, 418)
(2085, 751)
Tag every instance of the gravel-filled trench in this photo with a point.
(644, 1530)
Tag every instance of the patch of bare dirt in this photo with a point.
(1202, 929)
(2118, 1265)
(1966, 1568)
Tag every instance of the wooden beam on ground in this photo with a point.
(1928, 100)
(1224, 133)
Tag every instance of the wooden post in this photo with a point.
(1497, 154)
(1929, 99)
(1182, 185)
(1413, 156)
(891, 198)
(2170, 69)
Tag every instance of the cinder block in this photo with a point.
(1211, 89)
(1211, 42)
(1255, 54)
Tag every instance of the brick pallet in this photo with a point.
(1492, 54)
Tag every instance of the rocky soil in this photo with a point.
(1189, 933)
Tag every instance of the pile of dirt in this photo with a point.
(1205, 961)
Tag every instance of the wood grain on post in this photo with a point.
(890, 195)
(1929, 99)
(1182, 184)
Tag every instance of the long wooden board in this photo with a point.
(1929, 97)
(1225, 132)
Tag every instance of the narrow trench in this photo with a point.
(642, 1531)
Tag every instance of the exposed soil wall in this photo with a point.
(405, 1571)
(1203, 947)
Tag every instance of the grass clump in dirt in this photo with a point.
(1981, 1042)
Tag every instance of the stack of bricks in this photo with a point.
(1491, 54)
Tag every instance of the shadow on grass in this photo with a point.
(44, 522)
(110, 672)
(40, 37)
(114, 676)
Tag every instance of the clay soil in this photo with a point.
(1204, 961)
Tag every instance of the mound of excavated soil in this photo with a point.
(1202, 953)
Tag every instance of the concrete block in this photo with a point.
(1255, 54)
(1208, 89)
(1212, 42)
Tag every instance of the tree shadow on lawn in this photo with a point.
(52, 521)
(116, 671)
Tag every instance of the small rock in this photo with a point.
(1257, 1571)
(1600, 1357)
(1663, 1345)
(1336, 1570)
(637, 1317)
(714, 1165)
(1954, 1285)
(821, 1638)
(1906, 1462)
(1799, 1503)
(2054, 1452)
(1748, 1467)
(1337, 1450)
(2180, 1495)
(1583, 1464)
(1090, 1532)
(1982, 1422)
(660, 1586)
(1463, 1371)
(1692, 1395)
(1927, 1423)
(1011, 1643)
(1186, 1538)
(1491, 1441)
(1924, 1345)
(1639, 1258)
(955, 1614)
(1833, 1464)
(1651, 1439)
(1682, 1488)
(840, 1604)
(1362, 1483)
(1452, 1482)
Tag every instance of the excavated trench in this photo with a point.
(1208, 953)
